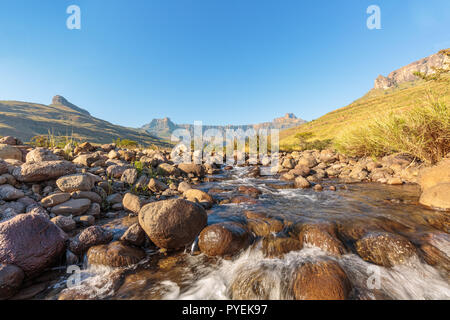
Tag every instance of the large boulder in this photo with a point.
(11, 278)
(74, 207)
(41, 154)
(437, 196)
(10, 152)
(254, 283)
(42, 171)
(31, 242)
(224, 239)
(172, 224)
(75, 182)
(321, 280)
(115, 254)
(385, 249)
(432, 176)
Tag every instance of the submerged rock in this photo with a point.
(277, 247)
(385, 249)
(224, 239)
(322, 280)
(115, 254)
(322, 236)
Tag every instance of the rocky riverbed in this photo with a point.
(104, 222)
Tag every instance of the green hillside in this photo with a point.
(406, 96)
(26, 120)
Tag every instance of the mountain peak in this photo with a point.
(61, 101)
(426, 66)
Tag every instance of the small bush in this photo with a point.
(423, 132)
(126, 143)
(305, 143)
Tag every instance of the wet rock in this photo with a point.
(75, 182)
(129, 176)
(11, 278)
(435, 250)
(254, 172)
(300, 170)
(243, 199)
(116, 254)
(31, 242)
(10, 152)
(134, 235)
(277, 247)
(261, 225)
(71, 258)
(8, 193)
(197, 195)
(55, 199)
(75, 207)
(251, 191)
(67, 224)
(318, 187)
(254, 284)
(322, 236)
(172, 224)
(301, 182)
(91, 236)
(437, 196)
(42, 171)
(224, 239)
(322, 280)
(385, 249)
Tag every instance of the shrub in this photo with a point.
(125, 143)
(423, 132)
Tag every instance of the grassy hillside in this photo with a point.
(374, 103)
(26, 120)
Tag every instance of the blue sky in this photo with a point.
(218, 61)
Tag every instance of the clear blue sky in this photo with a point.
(219, 61)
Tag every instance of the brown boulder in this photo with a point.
(91, 236)
(224, 239)
(430, 177)
(322, 236)
(385, 249)
(437, 196)
(116, 254)
(322, 280)
(31, 242)
(42, 171)
(277, 247)
(132, 202)
(197, 195)
(134, 235)
(196, 169)
(301, 183)
(172, 224)
(10, 152)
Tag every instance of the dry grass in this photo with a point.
(423, 131)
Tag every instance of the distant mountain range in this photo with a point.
(26, 120)
(163, 128)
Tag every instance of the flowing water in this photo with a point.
(194, 276)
